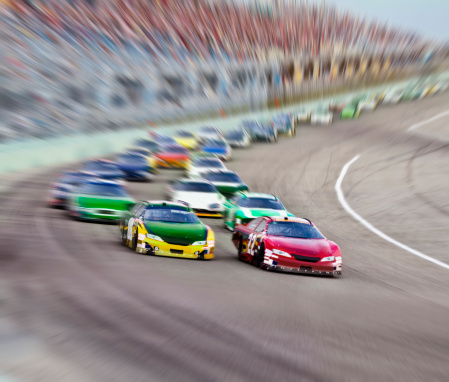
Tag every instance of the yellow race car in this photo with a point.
(170, 229)
(187, 139)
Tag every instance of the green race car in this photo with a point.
(244, 207)
(226, 181)
(99, 199)
(169, 229)
(351, 111)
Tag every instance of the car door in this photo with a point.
(256, 239)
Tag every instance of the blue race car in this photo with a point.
(135, 166)
(260, 132)
(66, 183)
(105, 169)
(218, 147)
(284, 124)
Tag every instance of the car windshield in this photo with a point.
(69, 179)
(170, 214)
(208, 129)
(185, 134)
(139, 151)
(271, 204)
(165, 139)
(102, 189)
(131, 158)
(176, 149)
(293, 229)
(223, 177)
(100, 166)
(235, 135)
(208, 162)
(215, 143)
(195, 187)
(149, 145)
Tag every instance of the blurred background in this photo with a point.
(331, 111)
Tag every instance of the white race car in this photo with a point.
(321, 117)
(198, 194)
(203, 164)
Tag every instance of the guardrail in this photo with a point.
(27, 154)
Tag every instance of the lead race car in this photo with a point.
(287, 244)
(168, 229)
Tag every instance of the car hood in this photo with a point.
(307, 247)
(108, 202)
(200, 200)
(177, 233)
(214, 149)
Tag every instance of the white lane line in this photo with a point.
(426, 121)
(355, 215)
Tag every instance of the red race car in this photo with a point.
(287, 244)
(173, 156)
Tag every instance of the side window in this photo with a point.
(254, 224)
(139, 210)
(261, 226)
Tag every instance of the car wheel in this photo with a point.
(134, 246)
(293, 131)
(240, 249)
(123, 234)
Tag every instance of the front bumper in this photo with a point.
(273, 262)
(207, 213)
(304, 270)
(160, 248)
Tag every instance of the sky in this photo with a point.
(429, 18)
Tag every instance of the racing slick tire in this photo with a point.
(240, 249)
(134, 243)
(122, 233)
(260, 257)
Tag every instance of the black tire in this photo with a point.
(134, 245)
(293, 131)
(240, 249)
(122, 231)
(260, 257)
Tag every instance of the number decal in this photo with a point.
(252, 243)
(129, 233)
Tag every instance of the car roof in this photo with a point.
(196, 180)
(290, 219)
(258, 195)
(165, 203)
(105, 182)
(222, 170)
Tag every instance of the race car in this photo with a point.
(226, 181)
(151, 159)
(238, 138)
(198, 194)
(371, 103)
(244, 207)
(209, 132)
(260, 132)
(104, 169)
(284, 124)
(287, 244)
(99, 199)
(412, 93)
(148, 144)
(218, 147)
(336, 106)
(201, 165)
(173, 157)
(165, 228)
(302, 116)
(321, 116)
(187, 139)
(66, 183)
(165, 140)
(351, 111)
(392, 97)
(135, 166)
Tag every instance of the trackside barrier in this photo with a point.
(34, 153)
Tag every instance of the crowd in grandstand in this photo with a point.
(48, 42)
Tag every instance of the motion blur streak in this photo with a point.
(425, 122)
(355, 215)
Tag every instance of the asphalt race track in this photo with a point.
(77, 306)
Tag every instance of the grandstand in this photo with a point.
(74, 65)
